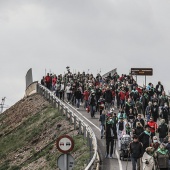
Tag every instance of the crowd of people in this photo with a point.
(139, 111)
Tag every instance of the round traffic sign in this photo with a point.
(65, 144)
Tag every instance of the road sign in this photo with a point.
(65, 161)
(142, 71)
(65, 144)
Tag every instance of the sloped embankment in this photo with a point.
(28, 131)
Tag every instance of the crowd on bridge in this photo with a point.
(141, 124)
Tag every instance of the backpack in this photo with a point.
(163, 160)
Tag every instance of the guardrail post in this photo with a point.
(88, 136)
(62, 110)
(49, 97)
(90, 144)
(43, 92)
(84, 131)
(46, 93)
(53, 101)
(56, 104)
(79, 127)
(59, 106)
(70, 117)
(66, 112)
(74, 122)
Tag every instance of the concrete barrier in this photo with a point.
(31, 89)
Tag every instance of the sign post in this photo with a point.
(65, 144)
(142, 72)
(65, 162)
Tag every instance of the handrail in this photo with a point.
(88, 133)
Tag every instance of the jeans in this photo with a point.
(119, 136)
(135, 163)
(102, 128)
(109, 145)
(148, 117)
(122, 103)
(92, 110)
(78, 103)
(85, 103)
(68, 96)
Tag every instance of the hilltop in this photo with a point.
(28, 131)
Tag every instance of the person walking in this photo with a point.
(92, 104)
(145, 137)
(102, 120)
(110, 136)
(138, 129)
(120, 129)
(108, 98)
(78, 96)
(162, 130)
(138, 119)
(136, 151)
(162, 157)
(153, 127)
(148, 159)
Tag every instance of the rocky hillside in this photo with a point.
(28, 131)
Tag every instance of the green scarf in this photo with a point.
(110, 122)
(129, 104)
(163, 152)
(128, 129)
(147, 133)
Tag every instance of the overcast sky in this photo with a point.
(53, 34)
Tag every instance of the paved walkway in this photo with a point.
(94, 123)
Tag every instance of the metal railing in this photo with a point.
(79, 124)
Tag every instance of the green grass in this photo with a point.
(51, 157)
(28, 130)
(83, 150)
(31, 129)
(5, 165)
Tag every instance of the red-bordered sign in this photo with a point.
(65, 144)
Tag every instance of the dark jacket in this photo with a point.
(155, 111)
(102, 119)
(92, 100)
(108, 131)
(108, 96)
(78, 94)
(163, 100)
(138, 130)
(127, 107)
(168, 148)
(163, 130)
(136, 149)
(145, 139)
(98, 93)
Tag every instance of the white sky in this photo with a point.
(53, 34)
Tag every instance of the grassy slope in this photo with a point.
(31, 145)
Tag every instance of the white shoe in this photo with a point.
(110, 157)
